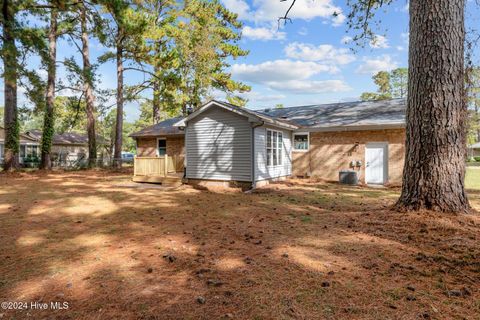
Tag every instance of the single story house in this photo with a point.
(474, 150)
(225, 143)
(29, 147)
(160, 139)
(67, 148)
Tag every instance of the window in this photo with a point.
(1, 150)
(161, 147)
(300, 141)
(274, 148)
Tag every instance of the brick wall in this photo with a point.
(147, 147)
(331, 152)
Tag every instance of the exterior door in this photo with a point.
(376, 163)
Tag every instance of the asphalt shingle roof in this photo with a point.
(359, 113)
(327, 116)
(162, 128)
(64, 138)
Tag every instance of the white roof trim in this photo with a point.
(252, 117)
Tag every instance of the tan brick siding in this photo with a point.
(176, 146)
(147, 147)
(331, 152)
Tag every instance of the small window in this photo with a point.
(300, 141)
(162, 147)
(1, 151)
(274, 148)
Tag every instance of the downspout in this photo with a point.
(254, 182)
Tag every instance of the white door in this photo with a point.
(375, 163)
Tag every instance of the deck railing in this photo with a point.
(155, 166)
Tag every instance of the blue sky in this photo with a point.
(308, 61)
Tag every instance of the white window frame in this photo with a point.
(308, 141)
(156, 147)
(279, 155)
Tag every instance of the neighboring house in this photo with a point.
(29, 147)
(160, 139)
(226, 143)
(67, 148)
(474, 150)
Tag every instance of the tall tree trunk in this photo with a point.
(119, 123)
(10, 65)
(434, 172)
(90, 99)
(156, 98)
(48, 121)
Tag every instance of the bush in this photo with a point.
(477, 159)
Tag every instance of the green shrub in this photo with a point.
(477, 159)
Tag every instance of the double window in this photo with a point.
(29, 151)
(274, 148)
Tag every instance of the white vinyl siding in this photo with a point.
(263, 171)
(218, 146)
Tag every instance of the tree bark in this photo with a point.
(119, 123)
(434, 171)
(10, 65)
(156, 99)
(90, 99)
(48, 121)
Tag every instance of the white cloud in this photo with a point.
(303, 31)
(379, 42)
(325, 53)
(289, 76)
(279, 70)
(309, 86)
(346, 40)
(374, 65)
(259, 97)
(262, 34)
(270, 10)
(239, 7)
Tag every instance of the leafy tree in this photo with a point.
(9, 53)
(126, 29)
(473, 95)
(207, 35)
(399, 82)
(19, 41)
(434, 170)
(391, 85)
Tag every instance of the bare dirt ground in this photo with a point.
(295, 250)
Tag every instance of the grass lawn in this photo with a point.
(295, 250)
(472, 178)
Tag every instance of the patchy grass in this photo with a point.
(472, 178)
(294, 250)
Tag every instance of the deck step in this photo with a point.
(164, 181)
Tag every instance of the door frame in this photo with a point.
(383, 145)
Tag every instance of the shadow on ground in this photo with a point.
(295, 250)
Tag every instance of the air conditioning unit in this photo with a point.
(348, 177)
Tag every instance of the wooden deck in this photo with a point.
(165, 170)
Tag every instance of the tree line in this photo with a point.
(180, 49)
(394, 85)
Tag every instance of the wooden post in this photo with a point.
(135, 165)
(166, 164)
